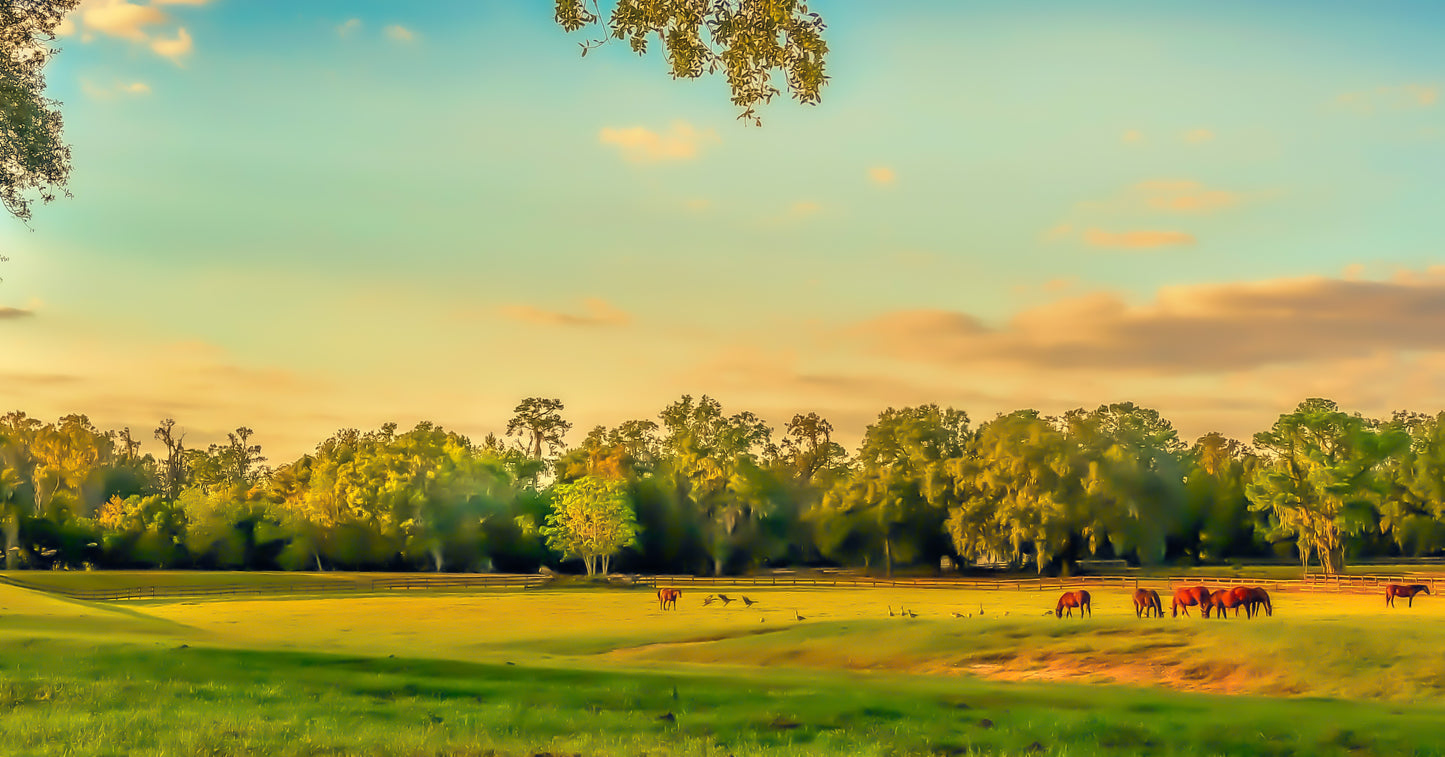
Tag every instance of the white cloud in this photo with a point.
(642, 145)
(347, 27)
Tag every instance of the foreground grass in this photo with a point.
(607, 673)
(67, 698)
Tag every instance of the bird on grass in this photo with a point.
(749, 602)
(890, 612)
(707, 600)
(796, 616)
(912, 614)
(959, 615)
(726, 600)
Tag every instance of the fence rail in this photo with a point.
(1368, 583)
(362, 586)
(1352, 584)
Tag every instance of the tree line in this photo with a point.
(702, 490)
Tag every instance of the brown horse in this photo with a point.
(1222, 601)
(1146, 601)
(668, 598)
(1188, 597)
(1408, 591)
(1244, 597)
(1072, 599)
(1254, 599)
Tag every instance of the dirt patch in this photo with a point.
(1213, 676)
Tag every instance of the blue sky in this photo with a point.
(299, 217)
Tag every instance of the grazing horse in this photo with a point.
(1146, 601)
(668, 598)
(1243, 597)
(1222, 601)
(1402, 590)
(1260, 598)
(1188, 597)
(1072, 599)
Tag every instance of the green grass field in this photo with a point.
(604, 672)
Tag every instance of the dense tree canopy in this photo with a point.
(704, 489)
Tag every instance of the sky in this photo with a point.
(302, 217)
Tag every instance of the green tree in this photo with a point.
(714, 463)
(1320, 483)
(17, 494)
(748, 40)
(901, 490)
(1018, 489)
(1412, 514)
(591, 519)
(148, 531)
(538, 421)
(173, 473)
(1222, 523)
(1133, 479)
(33, 156)
(809, 452)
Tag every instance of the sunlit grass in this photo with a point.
(593, 672)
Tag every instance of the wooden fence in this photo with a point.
(1363, 584)
(358, 584)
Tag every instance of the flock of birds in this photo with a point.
(903, 612)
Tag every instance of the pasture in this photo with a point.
(605, 672)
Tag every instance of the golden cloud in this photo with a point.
(642, 145)
(100, 92)
(882, 175)
(1186, 329)
(176, 48)
(130, 21)
(1401, 97)
(400, 33)
(599, 313)
(1195, 136)
(1185, 196)
(804, 208)
(118, 18)
(348, 26)
(1136, 240)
